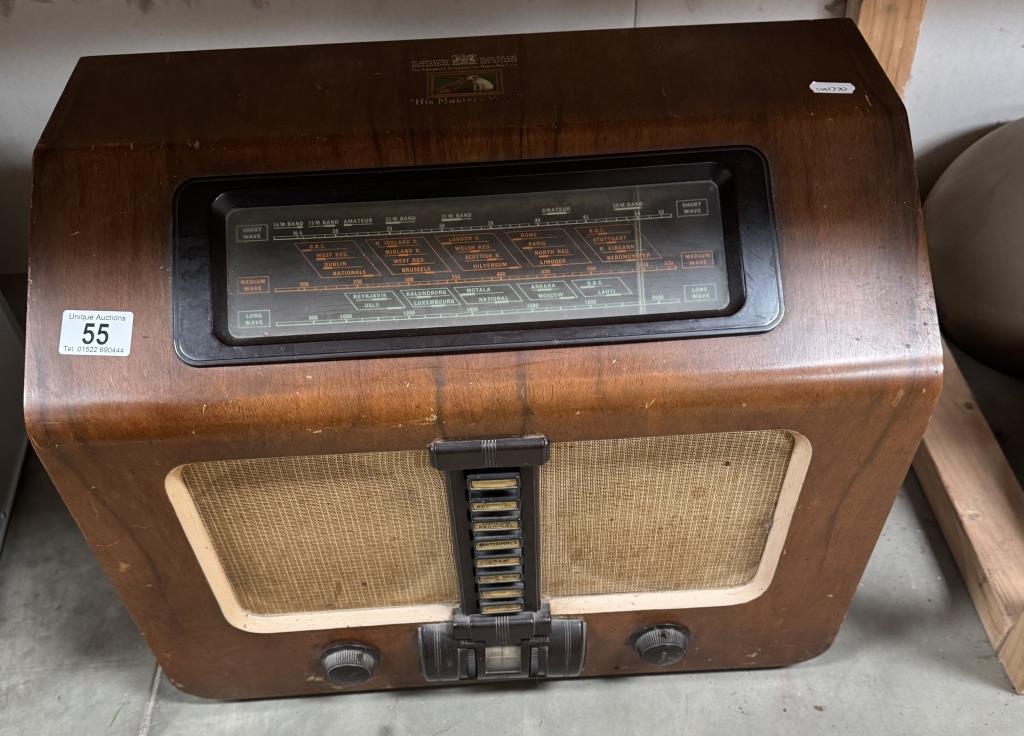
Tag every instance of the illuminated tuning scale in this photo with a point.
(455, 263)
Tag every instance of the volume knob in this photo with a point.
(349, 664)
(661, 645)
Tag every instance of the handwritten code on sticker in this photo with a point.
(832, 88)
(96, 332)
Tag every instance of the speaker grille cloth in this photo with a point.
(328, 532)
(370, 530)
(659, 513)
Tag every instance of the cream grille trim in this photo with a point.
(279, 539)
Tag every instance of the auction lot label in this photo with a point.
(96, 332)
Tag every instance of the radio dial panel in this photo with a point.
(521, 254)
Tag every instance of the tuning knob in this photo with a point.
(349, 664)
(661, 645)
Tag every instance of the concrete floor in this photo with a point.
(912, 658)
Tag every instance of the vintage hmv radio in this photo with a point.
(449, 361)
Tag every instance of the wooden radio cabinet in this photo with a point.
(381, 365)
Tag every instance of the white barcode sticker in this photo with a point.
(96, 332)
(832, 88)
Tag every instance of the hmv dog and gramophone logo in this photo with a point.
(462, 78)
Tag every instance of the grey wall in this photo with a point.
(970, 72)
(968, 76)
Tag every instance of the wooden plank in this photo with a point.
(980, 507)
(891, 28)
(1011, 655)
